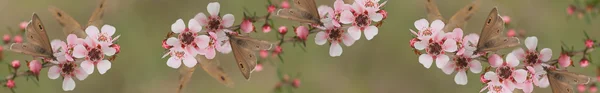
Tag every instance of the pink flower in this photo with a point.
(462, 63)
(593, 89)
(23, 25)
(285, 4)
(220, 44)
(532, 78)
(282, 30)
(584, 62)
(301, 32)
(15, 64)
(335, 35)
(271, 8)
(10, 84)
(247, 26)
(370, 4)
(117, 47)
(35, 67)
(495, 85)
(188, 38)
(6, 38)
(506, 19)
(94, 53)
(328, 17)
(178, 54)
(214, 23)
(511, 33)
(589, 43)
(103, 36)
(277, 50)
(384, 13)
(506, 72)
(413, 41)
(564, 60)
(62, 50)
(264, 53)
(165, 45)
(361, 17)
(258, 68)
(296, 83)
(581, 88)
(436, 48)
(571, 9)
(266, 28)
(68, 70)
(531, 57)
(425, 30)
(18, 39)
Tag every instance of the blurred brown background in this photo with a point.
(385, 64)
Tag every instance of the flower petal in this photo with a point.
(520, 75)
(321, 38)
(421, 24)
(376, 16)
(202, 41)
(210, 53)
(202, 19)
(109, 51)
(87, 66)
(79, 51)
(347, 17)
(545, 54)
(335, 49)
(80, 74)
(426, 60)
(437, 25)
(420, 45)
(543, 83)
(531, 43)
(511, 60)
(475, 66)
(108, 29)
(449, 68)
(92, 31)
(355, 32)
(495, 60)
(103, 66)
(370, 32)
(190, 61)
(173, 41)
(441, 60)
(194, 26)
(520, 53)
(53, 72)
(173, 62)
(68, 84)
(178, 26)
(461, 78)
(450, 45)
(490, 76)
(213, 8)
(228, 20)
(348, 40)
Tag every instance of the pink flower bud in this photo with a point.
(564, 60)
(581, 88)
(165, 45)
(35, 67)
(296, 83)
(277, 50)
(593, 89)
(482, 79)
(282, 30)
(584, 62)
(10, 84)
(264, 53)
(271, 8)
(413, 41)
(15, 64)
(117, 47)
(258, 68)
(6, 38)
(506, 19)
(18, 39)
(589, 43)
(247, 26)
(285, 4)
(511, 33)
(23, 25)
(384, 13)
(302, 32)
(266, 28)
(571, 9)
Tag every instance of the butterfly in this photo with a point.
(492, 38)
(244, 50)
(561, 80)
(458, 20)
(214, 69)
(37, 43)
(304, 11)
(71, 26)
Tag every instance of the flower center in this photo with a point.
(95, 54)
(504, 72)
(362, 20)
(336, 34)
(531, 58)
(434, 48)
(427, 32)
(370, 4)
(462, 62)
(103, 38)
(68, 68)
(187, 38)
(214, 24)
(497, 88)
(179, 54)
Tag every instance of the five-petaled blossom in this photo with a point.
(68, 70)
(434, 41)
(214, 23)
(361, 18)
(531, 57)
(93, 50)
(463, 61)
(333, 33)
(178, 54)
(188, 37)
(506, 73)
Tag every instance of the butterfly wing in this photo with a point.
(251, 43)
(459, 19)
(500, 43)
(37, 40)
(433, 13)
(307, 5)
(491, 35)
(245, 58)
(96, 18)
(558, 86)
(298, 15)
(213, 68)
(70, 25)
(348, 1)
(561, 80)
(29, 49)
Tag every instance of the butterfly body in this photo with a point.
(71, 26)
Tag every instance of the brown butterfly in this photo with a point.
(491, 38)
(561, 81)
(244, 50)
(458, 20)
(71, 26)
(304, 11)
(37, 43)
(214, 69)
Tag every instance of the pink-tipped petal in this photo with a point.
(495, 60)
(348, 40)
(108, 29)
(225, 48)
(370, 32)
(194, 26)
(80, 74)
(202, 19)
(228, 20)
(335, 49)
(531, 43)
(457, 34)
(325, 11)
(87, 66)
(178, 26)
(54, 72)
(376, 16)
(173, 41)
(520, 53)
(109, 51)
(475, 66)
(202, 41)
(68, 84)
(511, 60)
(347, 17)
(420, 45)
(73, 40)
(355, 32)
(437, 25)
(426, 60)
(213, 8)
(450, 45)
(79, 51)
(491, 76)
(545, 54)
(92, 31)
(520, 75)
(441, 60)
(449, 68)
(321, 38)
(421, 24)
(210, 53)
(527, 88)
(543, 83)
(103, 66)
(461, 78)
(173, 62)
(189, 61)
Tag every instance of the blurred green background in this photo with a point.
(385, 64)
